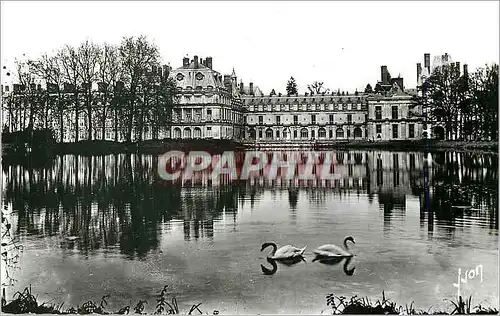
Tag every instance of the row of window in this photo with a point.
(395, 130)
(313, 119)
(378, 112)
(304, 133)
(317, 107)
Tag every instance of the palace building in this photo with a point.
(216, 106)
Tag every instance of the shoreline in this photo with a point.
(100, 147)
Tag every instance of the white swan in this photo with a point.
(283, 253)
(332, 251)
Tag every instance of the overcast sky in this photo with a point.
(341, 43)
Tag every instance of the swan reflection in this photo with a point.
(286, 262)
(336, 260)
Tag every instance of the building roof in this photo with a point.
(190, 77)
(302, 99)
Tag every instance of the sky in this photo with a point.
(342, 44)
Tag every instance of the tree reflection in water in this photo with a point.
(119, 201)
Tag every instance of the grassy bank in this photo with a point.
(102, 147)
(156, 147)
(25, 302)
(418, 145)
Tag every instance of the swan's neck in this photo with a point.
(345, 244)
(275, 248)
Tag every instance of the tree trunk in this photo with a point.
(77, 115)
(89, 111)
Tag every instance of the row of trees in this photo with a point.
(317, 87)
(133, 91)
(466, 104)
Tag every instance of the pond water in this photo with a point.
(100, 225)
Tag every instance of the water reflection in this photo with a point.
(274, 263)
(118, 201)
(335, 261)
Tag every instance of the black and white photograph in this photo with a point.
(249, 157)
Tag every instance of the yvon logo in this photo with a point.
(469, 274)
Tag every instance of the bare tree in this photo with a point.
(49, 69)
(108, 75)
(317, 88)
(137, 55)
(70, 67)
(88, 58)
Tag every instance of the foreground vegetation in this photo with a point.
(357, 305)
(25, 302)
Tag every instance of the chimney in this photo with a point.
(384, 75)
(419, 71)
(457, 67)
(166, 71)
(185, 62)
(227, 80)
(445, 56)
(241, 87)
(201, 61)
(427, 62)
(251, 88)
(196, 62)
(208, 62)
(465, 70)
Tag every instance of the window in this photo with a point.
(378, 112)
(260, 133)
(295, 119)
(313, 119)
(321, 133)
(277, 134)
(295, 134)
(304, 133)
(394, 112)
(378, 128)
(278, 120)
(394, 130)
(411, 130)
(330, 134)
(349, 118)
(313, 133)
(331, 118)
(261, 119)
(209, 132)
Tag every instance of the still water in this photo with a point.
(100, 225)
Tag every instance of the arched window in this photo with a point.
(177, 132)
(358, 133)
(187, 132)
(322, 133)
(252, 134)
(339, 133)
(197, 132)
(269, 133)
(304, 133)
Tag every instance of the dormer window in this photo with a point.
(209, 88)
(180, 77)
(199, 76)
(199, 88)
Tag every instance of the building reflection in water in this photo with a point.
(119, 201)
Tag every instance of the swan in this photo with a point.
(332, 251)
(285, 252)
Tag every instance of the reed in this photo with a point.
(358, 305)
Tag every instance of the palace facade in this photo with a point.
(216, 106)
